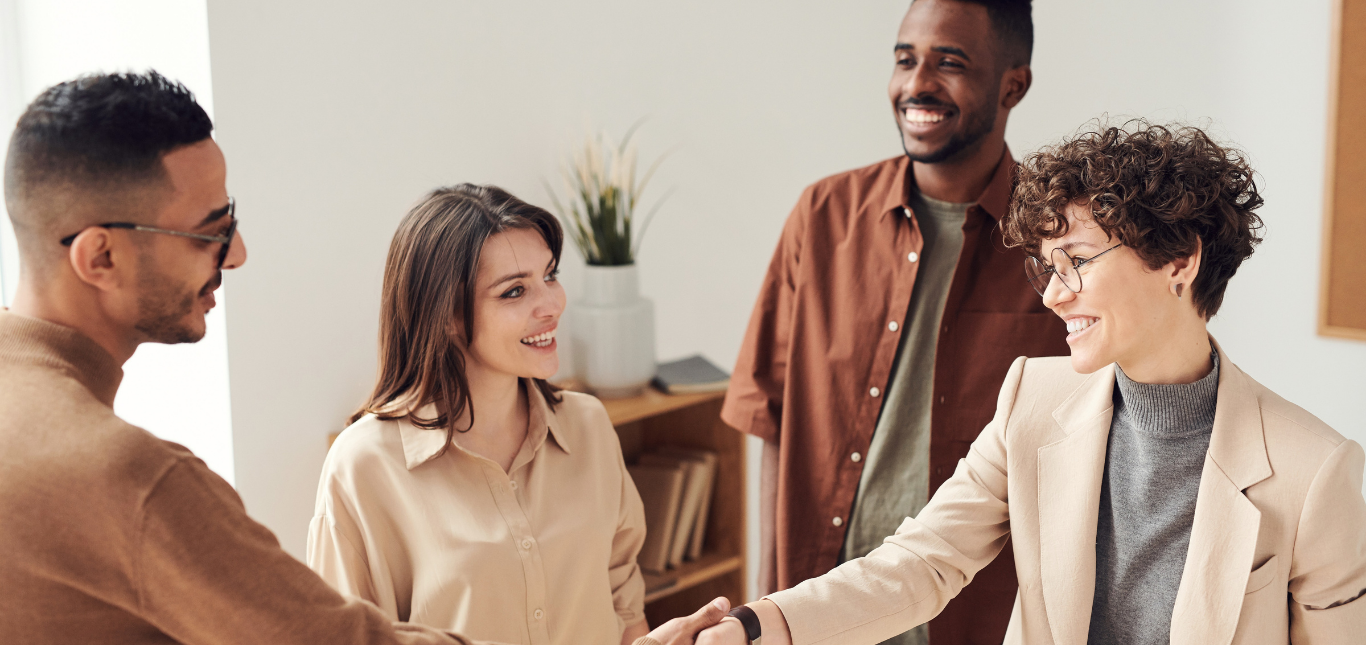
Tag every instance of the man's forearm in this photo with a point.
(768, 521)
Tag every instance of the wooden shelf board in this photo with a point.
(651, 403)
(691, 574)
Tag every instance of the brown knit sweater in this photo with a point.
(110, 535)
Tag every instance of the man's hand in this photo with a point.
(683, 631)
(727, 632)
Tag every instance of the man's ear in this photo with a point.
(1181, 272)
(98, 261)
(1015, 84)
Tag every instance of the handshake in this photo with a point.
(708, 626)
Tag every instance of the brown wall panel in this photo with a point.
(1343, 293)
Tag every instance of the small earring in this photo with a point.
(1179, 287)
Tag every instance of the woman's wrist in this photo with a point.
(774, 623)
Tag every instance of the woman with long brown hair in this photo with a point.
(468, 493)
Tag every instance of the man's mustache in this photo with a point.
(212, 284)
(926, 102)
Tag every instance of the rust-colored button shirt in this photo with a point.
(819, 352)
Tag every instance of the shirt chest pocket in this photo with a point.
(1262, 576)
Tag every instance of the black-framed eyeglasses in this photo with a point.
(1067, 268)
(225, 239)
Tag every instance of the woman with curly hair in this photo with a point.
(1153, 491)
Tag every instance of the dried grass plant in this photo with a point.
(600, 212)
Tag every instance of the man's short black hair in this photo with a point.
(103, 129)
(92, 148)
(1013, 22)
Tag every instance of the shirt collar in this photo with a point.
(421, 445)
(995, 199)
(42, 343)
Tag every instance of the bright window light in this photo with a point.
(179, 393)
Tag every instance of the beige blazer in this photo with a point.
(1277, 550)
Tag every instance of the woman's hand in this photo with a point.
(683, 631)
(727, 632)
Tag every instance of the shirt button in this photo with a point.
(839, 521)
(893, 326)
(875, 392)
(526, 544)
(539, 614)
(513, 484)
(913, 256)
(856, 457)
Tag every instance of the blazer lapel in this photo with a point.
(1070, 475)
(1224, 533)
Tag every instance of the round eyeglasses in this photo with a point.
(1067, 268)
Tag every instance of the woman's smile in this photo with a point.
(1079, 325)
(542, 341)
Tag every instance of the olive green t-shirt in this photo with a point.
(895, 480)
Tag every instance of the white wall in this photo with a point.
(11, 104)
(336, 116)
(179, 393)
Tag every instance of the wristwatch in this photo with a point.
(750, 621)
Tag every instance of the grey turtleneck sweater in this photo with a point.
(1158, 439)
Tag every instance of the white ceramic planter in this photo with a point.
(613, 332)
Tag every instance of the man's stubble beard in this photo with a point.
(979, 124)
(163, 307)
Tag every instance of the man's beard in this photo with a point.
(163, 308)
(977, 124)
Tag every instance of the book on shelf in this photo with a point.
(699, 528)
(661, 491)
(691, 375)
(690, 499)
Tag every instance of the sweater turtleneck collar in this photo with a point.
(1166, 410)
(41, 343)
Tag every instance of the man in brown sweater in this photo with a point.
(108, 534)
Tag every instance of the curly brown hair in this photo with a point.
(1159, 190)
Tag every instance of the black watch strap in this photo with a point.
(750, 620)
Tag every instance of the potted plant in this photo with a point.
(612, 337)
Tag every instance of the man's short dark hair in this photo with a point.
(1013, 22)
(98, 134)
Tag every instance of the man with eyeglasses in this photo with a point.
(109, 535)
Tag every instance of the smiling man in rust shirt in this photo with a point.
(890, 314)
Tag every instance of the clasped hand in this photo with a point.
(727, 632)
(708, 626)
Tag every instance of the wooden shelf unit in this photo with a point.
(655, 419)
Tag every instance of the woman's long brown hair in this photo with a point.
(429, 287)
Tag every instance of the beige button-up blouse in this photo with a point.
(545, 554)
